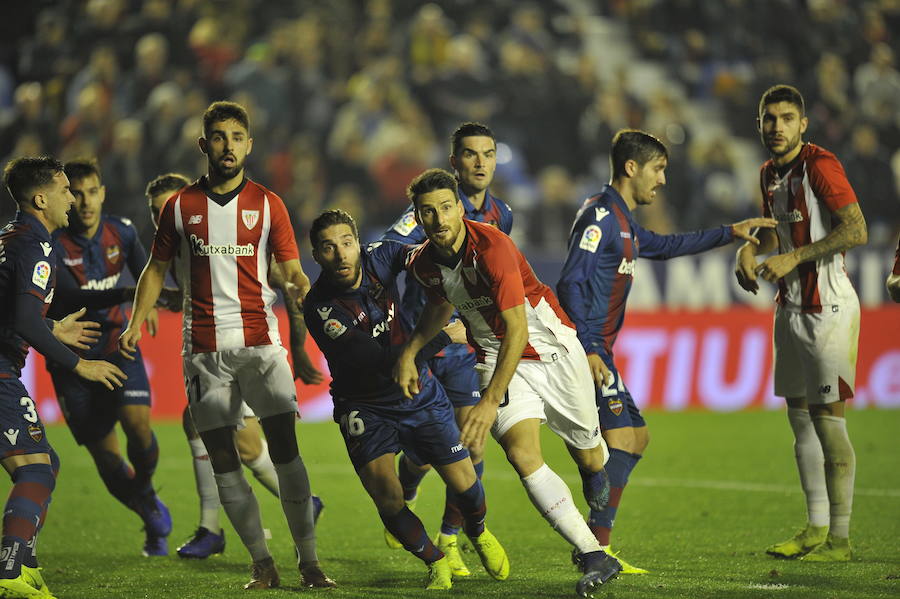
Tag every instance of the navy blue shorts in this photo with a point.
(23, 431)
(427, 434)
(615, 405)
(91, 410)
(457, 376)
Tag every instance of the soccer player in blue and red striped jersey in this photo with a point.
(28, 272)
(94, 250)
(352, 312)
(593, 288)
(473, 156)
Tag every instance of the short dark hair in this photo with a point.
(468, 130)
(223, 111)
(78, 169)
(329, 218)
(170, 182)
(633, 144)
(431, 180)
(782, 93)
(23, 175)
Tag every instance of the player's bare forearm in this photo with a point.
(148, 289)
(768, 243)
(850, 232)
(511, 347)
(276, 276)
(433, 318)
(295, 284)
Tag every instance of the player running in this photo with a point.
(209, 537)
(223, 229)
(352, 313)
(28, 269)
(93, 252)
(531, 367)
(473, 155)
(604, 244)
(816, 330)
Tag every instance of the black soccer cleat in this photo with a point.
(599, 567)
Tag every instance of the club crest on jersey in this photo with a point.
(615, 406)
(590, 239)
(250, 218)
(41, 274)
(35, 432)
(112, 253)
(324, 312)
(334, 328)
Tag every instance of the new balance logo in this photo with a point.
(195, 219)
(12, 435)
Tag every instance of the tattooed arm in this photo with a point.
(848, 233)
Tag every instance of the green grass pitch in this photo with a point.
(712, 493)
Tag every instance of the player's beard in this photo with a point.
(347, 282)
(224, 172)
(789, 146)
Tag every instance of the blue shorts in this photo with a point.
(615, 405)
(23, 431)
(91, 410)
(427, 434)
(457, 376)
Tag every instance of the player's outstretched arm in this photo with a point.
(77, 333)
(482, 415)
(100, 371)
(848, 233)
(745, 229)
(148, 289)
(433, 318)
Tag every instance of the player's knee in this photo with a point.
(524, 459)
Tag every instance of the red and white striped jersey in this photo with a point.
(493, 276)
(804, 201)
(222, 248)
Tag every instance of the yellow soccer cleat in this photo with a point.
(834, 549)
(493, 555)
(18, 588)
(626, 567)
(34, 578)
(439, 577)
(801, 543)
(450, 547)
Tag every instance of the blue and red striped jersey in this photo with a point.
(604, 243)
(96, 263)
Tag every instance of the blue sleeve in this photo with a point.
(506, 217)
(663, 247)
(389, 256)
(406, 229)
(137, 255)
(31, 326)
(69, 297)
(587, 242)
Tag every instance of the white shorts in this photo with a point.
(815, 354)
(560, 393)
(219, 383)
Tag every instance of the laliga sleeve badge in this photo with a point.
(334, 328)
(590, 239)
(406, 223)
(41, 274)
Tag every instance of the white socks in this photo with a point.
(243, 511)
(298, 507)
(206, 486)
(264, 471)
(840, 470)
(552, 498)
(811, 465)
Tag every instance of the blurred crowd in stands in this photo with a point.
(349, 99)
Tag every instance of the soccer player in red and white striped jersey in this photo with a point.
(816, 327)
(223, 230)
(531, 366)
